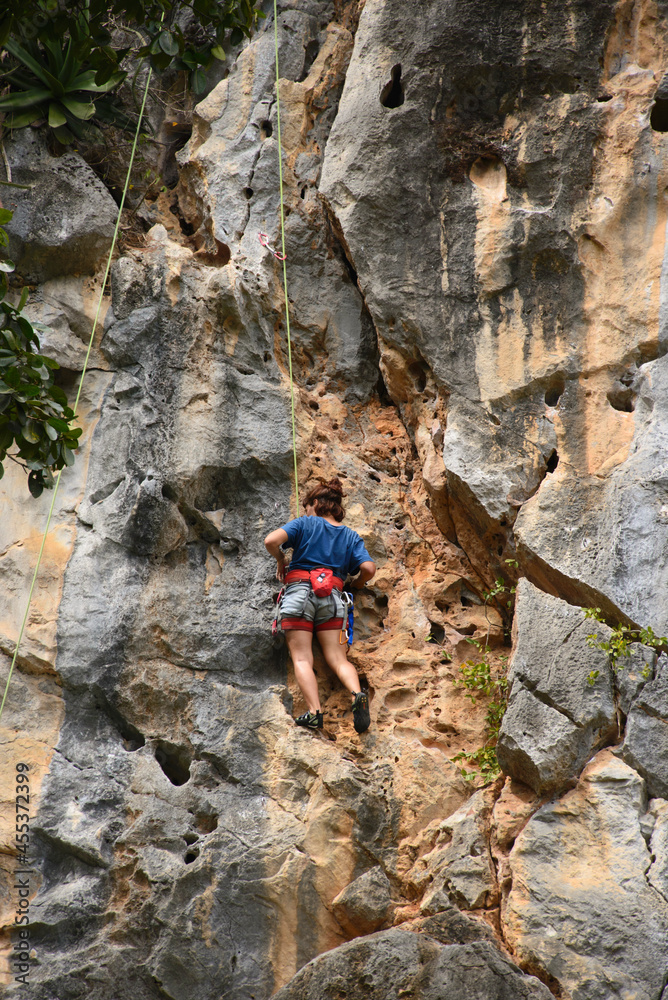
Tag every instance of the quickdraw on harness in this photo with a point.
(348, 619)
(276, 625)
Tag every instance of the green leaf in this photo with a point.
(86, 81)
(168, 43)
(236, 37)
(78, 108)
(68, 456)
(5, 28)
(63, 135)
(56, 116)
(51, 431)
(24, 298)
(40, 71)
(57, 393)
(58, 424)
(24, 99)
(35, 484)
(12, 378)
(5, 216)
(30, 433)
(198, 79)
(27, 118)
(7, 266)
(218, 52)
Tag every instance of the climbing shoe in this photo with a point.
(310, 720)
(361, 712)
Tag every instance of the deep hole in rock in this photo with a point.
(249, 193)
(302, 193)
(467, 597)
(419, 376)
(190, 838)
(267, 356)
(310, 52)
(191, 856)
(555, 390)
(218, 259)
(206, 822)
(132, 738)
(174, 762)
(266, 130)
(314, 405)
(436, 633)
(372, 475)
(658, 118)
(466, 629)
(382, 601)
(553, 461)
(622, 398)
(392, 94)
(603, 98)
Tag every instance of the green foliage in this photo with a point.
(50, 84)
(180, 34)
(618, 645)
(500, 588)
(34, 415)
(482, 678)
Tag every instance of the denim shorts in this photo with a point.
(301, 609)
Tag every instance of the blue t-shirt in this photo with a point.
(315, 542)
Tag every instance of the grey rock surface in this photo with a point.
(461, 871)
(645, 745)
(657, 874)
(580, 905)
(555, 718)
(478, 297)
(65, 222)
(613, 561)
(395, 963)
(365, 904)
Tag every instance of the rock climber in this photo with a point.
(324, 553)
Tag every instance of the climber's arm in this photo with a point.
(273, 543)
(366, 573)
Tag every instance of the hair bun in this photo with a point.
(335, 486)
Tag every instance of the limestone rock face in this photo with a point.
(580, 906)
(475, 229)
(555, 717)
(65, 222)
(646, 744)
(396, 964)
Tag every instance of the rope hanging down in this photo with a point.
(78, 396)
(282, 258)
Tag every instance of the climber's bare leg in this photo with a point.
(336, 655)
(300, 645)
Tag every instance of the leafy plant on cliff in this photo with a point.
(35, 420)
(618, 645)
(49, 84)
(482, 678)
(60, 55)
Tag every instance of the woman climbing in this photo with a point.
(324, 553)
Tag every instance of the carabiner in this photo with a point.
(264, 240)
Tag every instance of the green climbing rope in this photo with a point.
(78, 396)
(285, 273)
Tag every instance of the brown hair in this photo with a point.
(326, 498)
